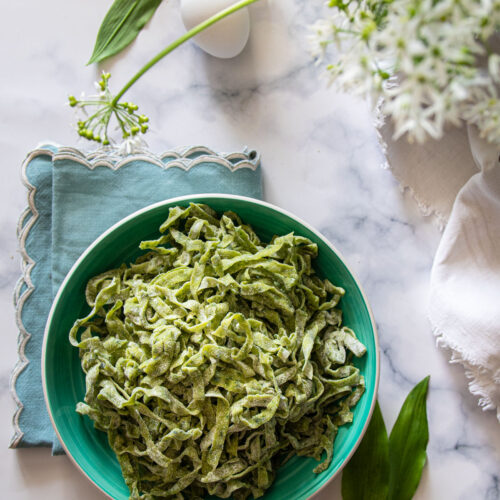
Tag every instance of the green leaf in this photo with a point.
(407, 444)
(121, 25)
(366, 476)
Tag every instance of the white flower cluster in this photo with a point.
(432, 61)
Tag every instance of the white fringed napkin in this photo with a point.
(457, 180)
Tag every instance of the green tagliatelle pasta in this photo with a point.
(214, 358)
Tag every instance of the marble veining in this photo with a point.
(320, 159)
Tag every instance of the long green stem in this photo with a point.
(184, 38)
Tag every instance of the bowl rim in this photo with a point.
(184, 198)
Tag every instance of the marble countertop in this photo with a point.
(320, 159)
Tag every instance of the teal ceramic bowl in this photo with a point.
(63, 379)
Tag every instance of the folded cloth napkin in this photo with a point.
(457, 179)
(433, 172)
(73, 198)
(464, 301)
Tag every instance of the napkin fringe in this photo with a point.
(425, 209)
(184, 158)
(473, 371)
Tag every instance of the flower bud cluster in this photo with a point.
(99, 110)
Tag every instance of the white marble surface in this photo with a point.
(320, 160)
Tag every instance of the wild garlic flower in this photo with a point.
(431, 61)
(97, 112)
(131, 145)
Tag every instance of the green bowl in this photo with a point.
(64, 382)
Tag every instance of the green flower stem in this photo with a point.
(184, 38)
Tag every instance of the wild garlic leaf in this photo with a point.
(121, 25)
(407, 444)
(366, 476)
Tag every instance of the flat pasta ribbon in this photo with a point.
(214, 358)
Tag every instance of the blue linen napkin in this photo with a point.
(74, 198)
